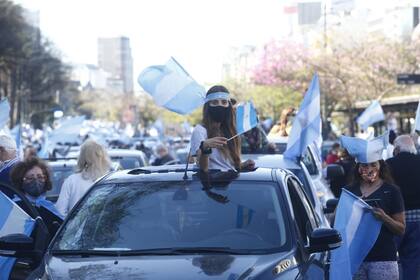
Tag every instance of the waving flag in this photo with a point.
(4, 112)
(246, 117)
(417, 124)
(12, 220)
(359, 230)
(371, 115)
(172, 87)
(306, 127)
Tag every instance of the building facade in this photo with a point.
(114, 56)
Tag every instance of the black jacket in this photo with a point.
(405, 169)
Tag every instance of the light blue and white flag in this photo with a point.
(417, 124)
(359, 230)
(68, 131)
(172, 87)
(4, 112)
(246, 117)
(371, 115)
(12, 220)
(366, 151)
(307, 124)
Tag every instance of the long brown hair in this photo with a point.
(227, 129)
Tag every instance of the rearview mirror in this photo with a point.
(331, 205)
(16, 242)
(324, 239)
(334, 171)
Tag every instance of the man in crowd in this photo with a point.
(8, 159)
(163, 155)
(405, 168)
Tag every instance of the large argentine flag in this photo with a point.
(246, 117)
(359, 230)
(172, 87)
(306, 127)
(12, 220)
(417, 124)
(371, 115)
(4, 112)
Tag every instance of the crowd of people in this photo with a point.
(392, 184)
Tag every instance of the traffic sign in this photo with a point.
(408, 79)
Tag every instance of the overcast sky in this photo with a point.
(198, 33)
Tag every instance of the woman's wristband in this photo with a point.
(204, 151)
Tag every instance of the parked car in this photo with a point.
(162, 223)
(60, 170)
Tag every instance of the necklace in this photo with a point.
(366, 191)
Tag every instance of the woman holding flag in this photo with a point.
(214, 141)
(373, 183)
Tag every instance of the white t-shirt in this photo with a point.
(216, 159)
(74, 187)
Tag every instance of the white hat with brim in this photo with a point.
(366, 151)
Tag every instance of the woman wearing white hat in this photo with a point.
(373, 182)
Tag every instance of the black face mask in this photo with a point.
(219, 113)
(34, 188)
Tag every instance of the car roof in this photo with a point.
(278, 139)
(272, 161)
(123, 152)
(176, 173)
(62, 162)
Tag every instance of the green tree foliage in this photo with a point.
(31, 74)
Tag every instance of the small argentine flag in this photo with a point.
(4, 112)
(246, 117)
(12, 220)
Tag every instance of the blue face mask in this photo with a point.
(34, 188)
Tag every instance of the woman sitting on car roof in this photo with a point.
(209, 140)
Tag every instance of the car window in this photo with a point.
(128, 162)
(154, 215)
(303, 212)
(306, 186)
(58, 175)
(309, 161)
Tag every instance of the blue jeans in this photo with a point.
(409, 251)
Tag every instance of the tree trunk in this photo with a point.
(13, 97)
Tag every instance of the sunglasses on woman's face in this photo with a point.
(219, 102)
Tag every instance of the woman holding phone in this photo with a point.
(372, 182)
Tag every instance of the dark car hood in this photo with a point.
(194, 267)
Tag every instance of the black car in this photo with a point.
(159, 223)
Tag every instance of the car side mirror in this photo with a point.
(334, 171)
(330, 205)
(16, 242)
(324, 239)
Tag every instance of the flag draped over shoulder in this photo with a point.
(12, 220)
(371, 115)
(172, 87)
(246, 117)
(306, 128)
(4, 112)
(359, 230)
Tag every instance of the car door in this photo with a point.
(312, 266)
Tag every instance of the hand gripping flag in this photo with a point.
(359, 230)
(246, 117)
(12, 220)
(371, 115)
(306, 128)
(172, 87)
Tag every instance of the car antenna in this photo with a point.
(186, 166)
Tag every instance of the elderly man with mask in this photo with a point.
(8, 158)
(405, 168)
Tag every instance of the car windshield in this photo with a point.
(127, 162)
(157, 215)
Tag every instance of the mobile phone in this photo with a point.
(374, 202)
